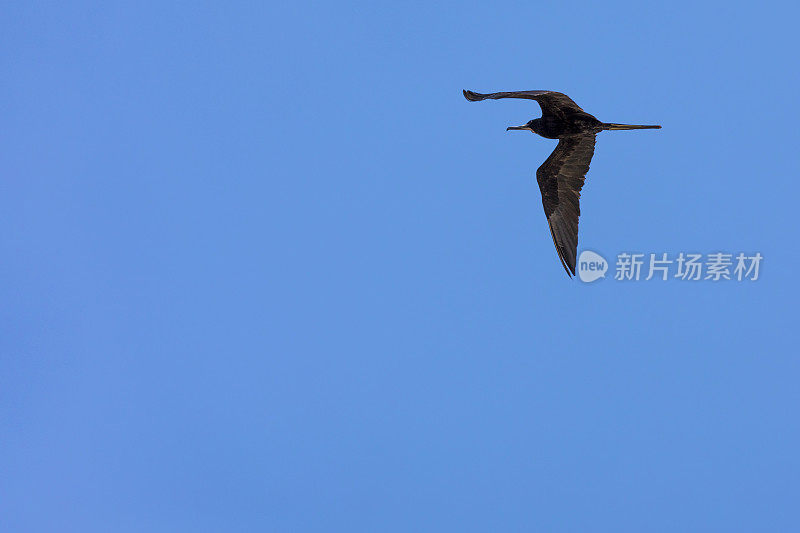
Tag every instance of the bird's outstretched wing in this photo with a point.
(551, 102)
(560, 179)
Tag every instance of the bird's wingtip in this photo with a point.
(469, 95)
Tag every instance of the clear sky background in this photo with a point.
(265, 269)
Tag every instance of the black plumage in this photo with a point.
(562, 175)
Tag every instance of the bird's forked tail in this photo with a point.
(612, 126)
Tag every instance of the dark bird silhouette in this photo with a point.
(562, 175)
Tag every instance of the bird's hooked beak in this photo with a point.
(525, 127)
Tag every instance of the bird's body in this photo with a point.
(562, 175)
(554, 128)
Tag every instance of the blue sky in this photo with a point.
(265, 269)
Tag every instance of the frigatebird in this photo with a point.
(562, 175)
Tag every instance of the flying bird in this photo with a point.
(562, 175)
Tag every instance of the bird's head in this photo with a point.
(532, 125)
